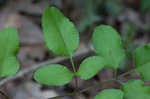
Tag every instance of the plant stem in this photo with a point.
(75, 71)
(74, 68)
(97, 84)
(57, 97)
(115, 74)
(3, 94)
(86, 89)
(126, 73)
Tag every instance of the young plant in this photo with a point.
(62, 38)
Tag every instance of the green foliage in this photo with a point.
(62, 38)
(87, 21)
(60, 34)
(135, 89)
(144, 5)
(92, 10)
(107, 43)
(113, 7)
(54, 74)
(128, 34)
(90, 14)
(110, 94)
(90, 66)
(9, 42)
(142, 61)
(144, 71)
(141, 55)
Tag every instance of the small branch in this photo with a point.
(23, 72)
(58, 97)
(3, 94)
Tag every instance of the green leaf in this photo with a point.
(142, 55)
(135, 89)
(142, 61)
(110, 94)
(60, 34)
(144, 71)
(90, 66)
(9, 42)
(107, 43)
(54, 74)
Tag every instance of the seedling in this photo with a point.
(62, 38)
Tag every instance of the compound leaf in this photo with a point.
(135, 89)
(9, 42)
(142, 61)
(90, 66)
(53, 74)
(60, 34)
(110, 94)
(107, 43)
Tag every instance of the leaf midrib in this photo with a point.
(60, 33)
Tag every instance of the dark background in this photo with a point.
(131, 18)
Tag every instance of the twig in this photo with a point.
(3, 94)
(34, 67)
(59, 97)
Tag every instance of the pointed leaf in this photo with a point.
(9, 42)
(107, 43)
(90, 66)
(135, 89)
(142, 61)
(54, 74)
(110, 94)
(60, 34)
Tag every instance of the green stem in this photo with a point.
(74, 68)
(75, 71)
(3, 94)
(86, 89)
(115, 74)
